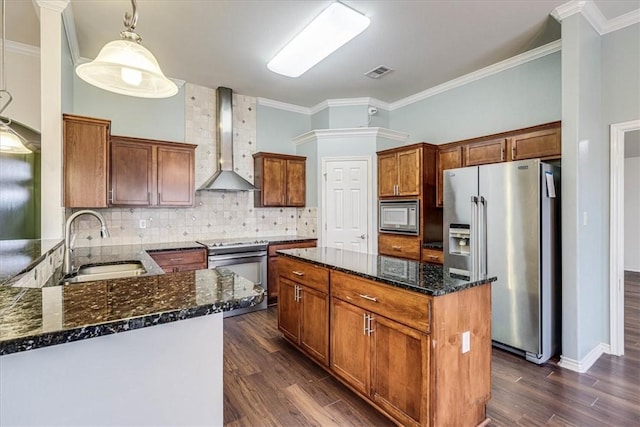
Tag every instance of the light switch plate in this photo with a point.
(466, 342)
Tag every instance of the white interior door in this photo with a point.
(347, 207)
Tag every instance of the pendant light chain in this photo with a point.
(130, 21)
(4, 93)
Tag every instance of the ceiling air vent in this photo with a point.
(378, 72)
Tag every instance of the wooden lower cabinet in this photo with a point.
(365, 353)
(303, 308)
(350, 352)
(399, 350)
(272, 265)
(400, 379)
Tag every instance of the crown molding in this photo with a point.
(23, 49)
(72, 36)
(623, 21)
(480, 74)
(349, 102)
(54, 5)
(375, 132)
(594, 16)
(283, 106)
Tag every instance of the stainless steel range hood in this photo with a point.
(225, 179)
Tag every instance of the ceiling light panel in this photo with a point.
(330, 30)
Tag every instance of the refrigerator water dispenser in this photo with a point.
(459, 239)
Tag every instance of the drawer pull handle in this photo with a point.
(298, 273)
(396, 248)
(176, 259)
(367, 297)
(432, 257)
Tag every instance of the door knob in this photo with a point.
(362, 236)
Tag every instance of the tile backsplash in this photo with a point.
(215, 214)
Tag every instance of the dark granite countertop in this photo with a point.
(19, 256)
(433, 245)
(34, 318)
(288, 239)
(425, 278)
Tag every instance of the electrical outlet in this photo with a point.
(466, 342)
(143, 223)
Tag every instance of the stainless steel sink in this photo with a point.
(104, 271)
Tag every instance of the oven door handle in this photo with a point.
(236, 256)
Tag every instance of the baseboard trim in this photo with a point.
(586, 362)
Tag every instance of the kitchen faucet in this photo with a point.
(104, 232)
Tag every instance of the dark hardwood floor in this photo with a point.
(269, 383)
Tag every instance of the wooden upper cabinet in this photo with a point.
(176, 169)
(296, 182)
(86, 161)
(151, 173)
(448, 158)
(281, 179)
(131, 173)
(541, 144)
(399, 172)
(482, 153)
(409, 172)
(387, 175)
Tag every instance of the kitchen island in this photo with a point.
(408, 338)
(133, 351)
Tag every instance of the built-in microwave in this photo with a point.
(399, 216)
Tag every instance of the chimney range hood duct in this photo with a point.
(225, 179)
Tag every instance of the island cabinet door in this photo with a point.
(288, 309)
(350, 349)
(314, 323)
(400, 371)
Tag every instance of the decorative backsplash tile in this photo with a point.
(215, 214)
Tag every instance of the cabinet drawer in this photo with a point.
(409, 308)
(399, 246)
(295, 245)
(170, 259)
(310, 275)
(432, 255)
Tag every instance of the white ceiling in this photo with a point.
(228, 43)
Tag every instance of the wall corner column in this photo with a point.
(51, 36)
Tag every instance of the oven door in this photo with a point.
(252, 266)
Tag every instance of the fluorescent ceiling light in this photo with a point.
(126, 67)
(334, 27)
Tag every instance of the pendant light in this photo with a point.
(126, 67)
(10, 140)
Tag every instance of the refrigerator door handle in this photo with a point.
(483, 239)
(473, 272)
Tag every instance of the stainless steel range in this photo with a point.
(247, 258)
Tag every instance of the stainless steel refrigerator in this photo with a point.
(502, 220)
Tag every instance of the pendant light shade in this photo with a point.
(10, 142)
(126, 67)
